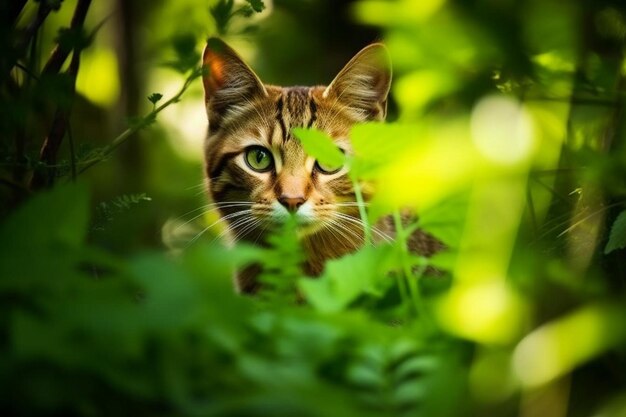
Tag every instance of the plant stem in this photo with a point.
(145, 121)
(361, 203)
(411, 279)
(60, 53)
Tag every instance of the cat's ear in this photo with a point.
(228, 82)
(363, 84)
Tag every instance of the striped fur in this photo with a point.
(244, 113)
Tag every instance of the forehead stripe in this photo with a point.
(313, 111)
(279, 117)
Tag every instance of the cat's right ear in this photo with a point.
(228, 82)
(363, 84)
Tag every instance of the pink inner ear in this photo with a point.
(215, 78)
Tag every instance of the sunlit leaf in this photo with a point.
(345, 279)
(320, 146)
(565, 343)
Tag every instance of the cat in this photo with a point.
(258, 173)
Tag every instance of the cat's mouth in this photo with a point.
(304, 224)
(305, 221)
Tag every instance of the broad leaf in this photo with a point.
(617, 238)
(58, 216)
(347, 278)
(320, 146)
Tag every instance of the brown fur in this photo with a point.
(243, 112)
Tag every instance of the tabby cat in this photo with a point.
(258, 174)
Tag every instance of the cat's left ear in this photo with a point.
(228, 83)
(363, 84)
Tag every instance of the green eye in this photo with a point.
(327, 169)
(259, 159)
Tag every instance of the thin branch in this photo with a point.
(42, 13)
(145, 121)
(52, 143)
(61, 52)
(27, 71)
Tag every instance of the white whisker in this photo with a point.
(208, 208)
(221, 219)
(339, 228)
(359, 222)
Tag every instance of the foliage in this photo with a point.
(230, 356)
(617, 238)
(320, 146)
(225, 10)
(507, 139)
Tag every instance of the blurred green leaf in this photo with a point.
(221, 13)
(347, 278)
(55, 217)
(320, 146)
(617, 238)
(186, 56)
(377, 146)
(257, 5)
(73, 39)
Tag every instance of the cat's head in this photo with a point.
(258, 173)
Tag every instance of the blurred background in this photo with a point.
(506, 133)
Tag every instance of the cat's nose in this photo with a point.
(291, 203)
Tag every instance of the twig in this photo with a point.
(145, 121)
(27, 71)
(42, 13)
(53, 141)
(61, 52)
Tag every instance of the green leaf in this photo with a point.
(222, 13)
(155, 97)
(257, 5)
(347, 278)
(377, 146)
(446, 220)
(75, 38)
(617, 238)
(58, 216)
(187, 57)
(320, 146)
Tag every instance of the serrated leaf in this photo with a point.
(257, 5)
(154, 98)
(320, 146)
(617, 238)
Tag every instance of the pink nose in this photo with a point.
(291, 203)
